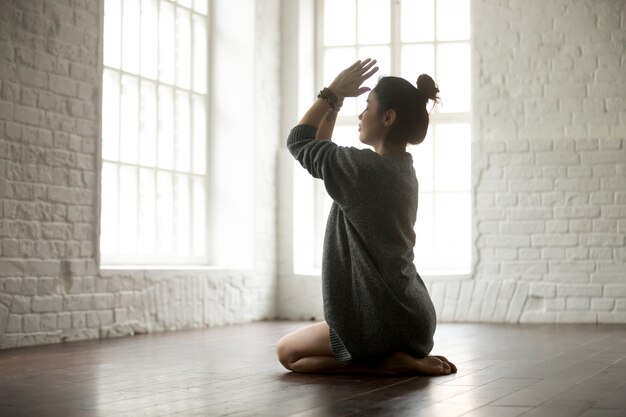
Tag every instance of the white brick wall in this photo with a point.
(550, 163)
(51, 288)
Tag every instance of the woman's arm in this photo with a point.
(346, 84)
(327, 125)
(320, 115)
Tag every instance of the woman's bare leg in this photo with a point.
(309, 350)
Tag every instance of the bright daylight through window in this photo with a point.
(407, 37)
(154, 108)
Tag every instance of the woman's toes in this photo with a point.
(452, 366)
(445, 367)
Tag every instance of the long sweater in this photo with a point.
(375, 302)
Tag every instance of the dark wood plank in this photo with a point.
(504, 370)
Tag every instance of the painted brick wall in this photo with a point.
(549, 164)
(51, 288)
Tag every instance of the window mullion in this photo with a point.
(395, 47)
(319, 37)
(434, 192)
(117, 164)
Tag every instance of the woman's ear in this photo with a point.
(390, 118)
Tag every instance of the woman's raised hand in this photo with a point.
(348, 82)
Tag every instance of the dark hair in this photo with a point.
(409, 103)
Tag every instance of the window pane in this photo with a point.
(185, 3)
(183, 48)
(199, 135)
(129, 134)
(128, 210)
(110, 114)
(166, 128)
(453, 20)
(335, 61)
(199, 217)
(149, 37)
(183, 134)
(112, 33)
(303, 228)
(382, 54)
(182, 208)
(201, 6)
(452, 164)
(199, 54)
(348, 136)
(167, 58)
(417, 20)
(416, 60)
(339, 22)
(350, 107)
(452, 230)
(109, 215)
(165, 213)
(323, 202)
(424, 231)
(130, 36)
(147, 211)
(423, 162)
(373, 21)
(148, 125)
(453, 77)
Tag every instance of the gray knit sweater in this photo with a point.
(375, 302)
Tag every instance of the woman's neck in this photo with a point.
(387, 147)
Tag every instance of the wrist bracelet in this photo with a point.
(336, 109)
(330, 97)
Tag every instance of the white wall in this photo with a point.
(549, 169)
(549, 165)
(51, 286)
(298, 297)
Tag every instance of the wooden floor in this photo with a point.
(504, 371)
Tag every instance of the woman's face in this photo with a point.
(371, 126)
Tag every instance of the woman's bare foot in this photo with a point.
(402, 362)
(444, 359)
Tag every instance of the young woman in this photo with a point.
(379, 316)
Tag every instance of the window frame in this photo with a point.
(194, 12)
(436, 119)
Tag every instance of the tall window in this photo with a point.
(407, 38)
(154, 132)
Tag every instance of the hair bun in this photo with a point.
(427, 88)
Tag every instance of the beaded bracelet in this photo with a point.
(330, 97)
